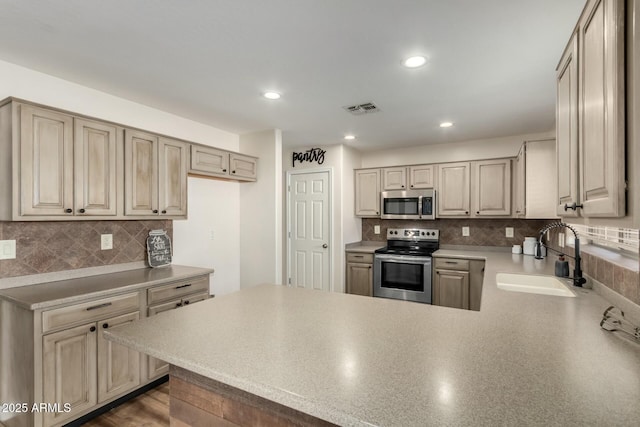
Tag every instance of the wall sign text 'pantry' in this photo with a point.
(312, 155)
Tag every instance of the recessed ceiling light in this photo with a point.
(349, 137)
(446, 124)
(415, 62)
(271, 95)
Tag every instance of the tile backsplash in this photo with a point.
(482, 232)
(44, 247)
(624, 281)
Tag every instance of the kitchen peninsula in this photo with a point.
(353, 360)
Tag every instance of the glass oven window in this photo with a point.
(401, 275)
(401, 206)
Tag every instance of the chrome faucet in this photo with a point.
(578, 280)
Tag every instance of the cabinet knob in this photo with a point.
(411, 185)
(233, 171)
(92, 329)
(179, 304)
(403, 186)
(325, 246)
(478, 212)
(105, 325)
(155, 211)
(164, 211)
(466, 212)
(369, 267)
(82, 210)
(186, 302)
(68, 210)
(224, 170)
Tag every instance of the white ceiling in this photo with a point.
(490, 70)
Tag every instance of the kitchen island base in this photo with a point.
(199, 401)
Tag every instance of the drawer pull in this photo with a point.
(358, 256)
(94, 307)
(183, 286)
(451, 262)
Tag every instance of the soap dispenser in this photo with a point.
(562, 267)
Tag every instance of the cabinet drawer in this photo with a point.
(451, 263)
(88, 311)
(177, 290)
(359, 257)
(170, 305)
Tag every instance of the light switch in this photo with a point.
(376, 229)
(508, 232)
(106, 241)
(465, 231)
(7, 249)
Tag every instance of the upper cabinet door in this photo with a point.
(423, 176)
(141, 173)
(520, 183)
(243, 167)
(209, 160)
(46, 162)
(493, 187)
(173, 178)
(454, 186)
(567, 130)
(601, 107)
(367, 192)
(96, 148)
(394, 178)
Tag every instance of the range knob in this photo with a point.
(433, 233)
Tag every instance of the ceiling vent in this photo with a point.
(360, 109)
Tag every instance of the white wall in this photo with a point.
(213, 205)
(261, 211)
(451, 152)
(347, 228)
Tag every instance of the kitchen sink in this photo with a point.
(533, 284)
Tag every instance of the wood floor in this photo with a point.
(150, 409)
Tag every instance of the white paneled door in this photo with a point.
(309, 230)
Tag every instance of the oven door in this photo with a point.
(402, 277)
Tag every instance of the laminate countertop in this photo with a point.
(523, 359)
(49, 294)
(366, 247)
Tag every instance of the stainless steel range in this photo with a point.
(402, 269)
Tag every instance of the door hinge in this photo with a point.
(289, 234)
(288, 188)
(289, 280)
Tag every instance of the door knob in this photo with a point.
(325, 246)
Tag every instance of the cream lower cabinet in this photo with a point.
(155, 176)
(359, 280)
(457, 283)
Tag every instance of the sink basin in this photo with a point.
(533, 284)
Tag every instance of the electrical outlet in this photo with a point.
(211, 235)
(376, 229)
(465, 231)
(106, 241)
(508, 232)
(7, 249)
(561, 240)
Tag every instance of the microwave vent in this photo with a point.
(360, 109)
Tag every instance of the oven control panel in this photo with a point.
(412, 234)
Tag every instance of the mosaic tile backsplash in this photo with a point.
(44, 247)
(482, 232)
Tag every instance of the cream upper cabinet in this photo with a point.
(209, 161)
(422, 176)
(394, 178)
(567, 130)
(367, 192)
(155, 176)
(243, 167)
(97, 148)
(539, 179)
(492, 187)
(141, 173)
(601, 109)
(46, 162)
(454, 182)
(591, 115)
(172, 185)
(519, 181)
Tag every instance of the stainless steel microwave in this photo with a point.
(409, 204)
